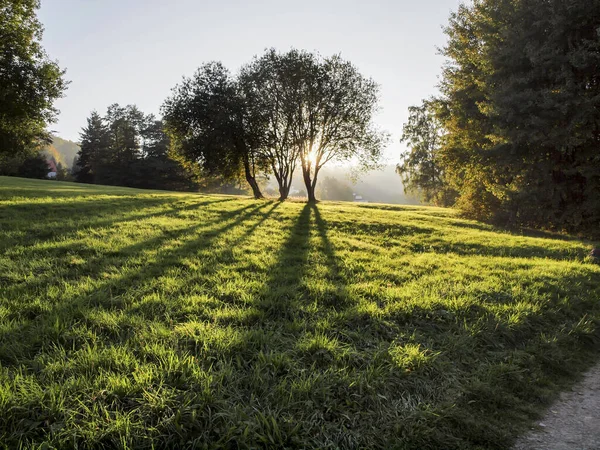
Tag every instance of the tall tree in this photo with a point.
(319, 110)
(94, 150)
(545, 104)
(522, 121)
(269, 83)
(420, 168)
(29, 81)
(210, 122)
(125, 126)
(336, 120)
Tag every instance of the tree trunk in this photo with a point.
(284, 180)
(250, 178)
(310, 184)
(284, 191)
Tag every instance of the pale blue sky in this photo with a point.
(135, 51)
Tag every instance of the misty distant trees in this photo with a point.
(281, 112)
(29, 84)
(332, 188)
(519, 113)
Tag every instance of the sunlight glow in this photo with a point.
(312, 156)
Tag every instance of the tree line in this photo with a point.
(514, 136)
(129, 148)
(280, 113)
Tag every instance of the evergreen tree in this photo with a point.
(129, 148)
(545, 107)
(93, 155)
(159, 168)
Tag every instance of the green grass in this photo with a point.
(140, 319)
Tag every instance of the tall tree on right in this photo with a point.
(521, 111)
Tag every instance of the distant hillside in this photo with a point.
(63, 151)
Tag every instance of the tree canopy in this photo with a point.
(212, 124)
(282, 111)
(420, 168)
(29, 81)
(129, 148)
(520, 112)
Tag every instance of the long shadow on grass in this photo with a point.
(52, 232)
(338, 298)
(46, 221)
(286, 298)
(151, 309)
(26, 339)
(347, 319)
(96, 264)
(282, 292)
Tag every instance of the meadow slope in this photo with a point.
(140, 319)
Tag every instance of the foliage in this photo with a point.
(523, 121)
(129, 148)
(211, 123)
(26, 165)
(269, 83)
(420, 169)
(139, 319)
(29, 81)
(318, 110)
(281, 111)
(94, 149)
(335, 121)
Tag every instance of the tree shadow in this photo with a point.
(86, 214)
(282, 292)
(96, 264)
(218, 255)
(525, 250)
(338, 298)
(24, 340)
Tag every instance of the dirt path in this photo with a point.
(572, 423)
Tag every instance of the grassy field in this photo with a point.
(140, 319)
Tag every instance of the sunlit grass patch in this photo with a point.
(138, 319)
(410, 357)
